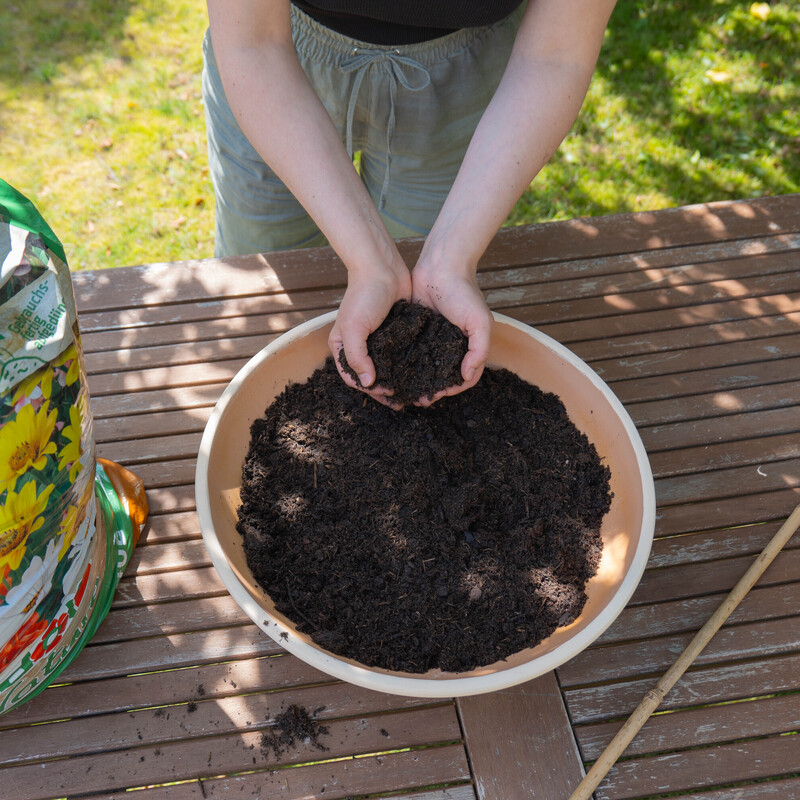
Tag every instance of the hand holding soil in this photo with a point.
(417, 355)
(370, 295)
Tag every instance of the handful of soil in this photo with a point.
(416, 351)
(446, 537)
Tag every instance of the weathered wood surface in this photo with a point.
(692, 316)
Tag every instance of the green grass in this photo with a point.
(101, 119)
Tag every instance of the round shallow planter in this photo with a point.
(627, 529)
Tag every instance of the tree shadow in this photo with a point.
(38, 37)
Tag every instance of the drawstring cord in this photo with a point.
(398, 68)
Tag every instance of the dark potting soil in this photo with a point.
(446, 537)
(416, 352)
(291, 728)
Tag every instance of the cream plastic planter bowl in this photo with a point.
(627, 529)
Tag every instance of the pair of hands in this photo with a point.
(371, 294)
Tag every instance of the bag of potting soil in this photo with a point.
(65, 533)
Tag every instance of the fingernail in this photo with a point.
(365, 378)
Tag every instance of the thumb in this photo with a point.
(477, 354)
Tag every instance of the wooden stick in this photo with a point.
(652, 699)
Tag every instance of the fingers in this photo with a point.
(472, 365)
(354, 344)
(378, 393)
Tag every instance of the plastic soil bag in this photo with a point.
(65, 533)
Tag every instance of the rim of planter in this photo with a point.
(442, 684)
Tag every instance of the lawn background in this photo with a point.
(101, 119)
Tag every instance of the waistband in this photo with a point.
(314, 40)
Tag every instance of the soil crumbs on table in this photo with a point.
(416, 353)
(446, 537)
(290, 728)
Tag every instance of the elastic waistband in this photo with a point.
(314, 40)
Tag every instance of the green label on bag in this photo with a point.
(34, 329)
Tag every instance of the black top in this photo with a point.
(388, 22)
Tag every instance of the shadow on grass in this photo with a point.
(38, 36)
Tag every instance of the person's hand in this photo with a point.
(366, 303)
(455, 294)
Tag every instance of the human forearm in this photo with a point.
(284, 120)
(282, 117)
(534, 107)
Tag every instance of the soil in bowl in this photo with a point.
(447, 537)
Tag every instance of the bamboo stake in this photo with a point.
(651, 700)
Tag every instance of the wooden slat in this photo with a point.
(745, 509)
(700, 726)
(171, 527)
(768, 790)
(172, 378)
(163, 473)
(137, 590)
(636, 322)
(691, 580)
(729, 482)
(772, 422)
(730, 763)
(193, 614)
(351, 784)
(170, 355)
(346, 779)
(168, 557)
(697, 686)
(764, 452)
(773, 349)
(169, 652)
(156, 448)
(749, 328)
(654, 656)
(169, 499)
(537, 759)
(581, 302)
(723, 403)
(201, 718)
(145, 401)
(675, 616)
(148, 764)
(697, 547)
(175, 687)
(143, 426)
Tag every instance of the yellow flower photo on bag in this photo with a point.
(25, 443)
(20, 516)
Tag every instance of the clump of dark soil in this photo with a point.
(290, 728)
(445, 537)
(416, 351)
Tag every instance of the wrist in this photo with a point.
(448, 251)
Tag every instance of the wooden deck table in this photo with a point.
(691, 315)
